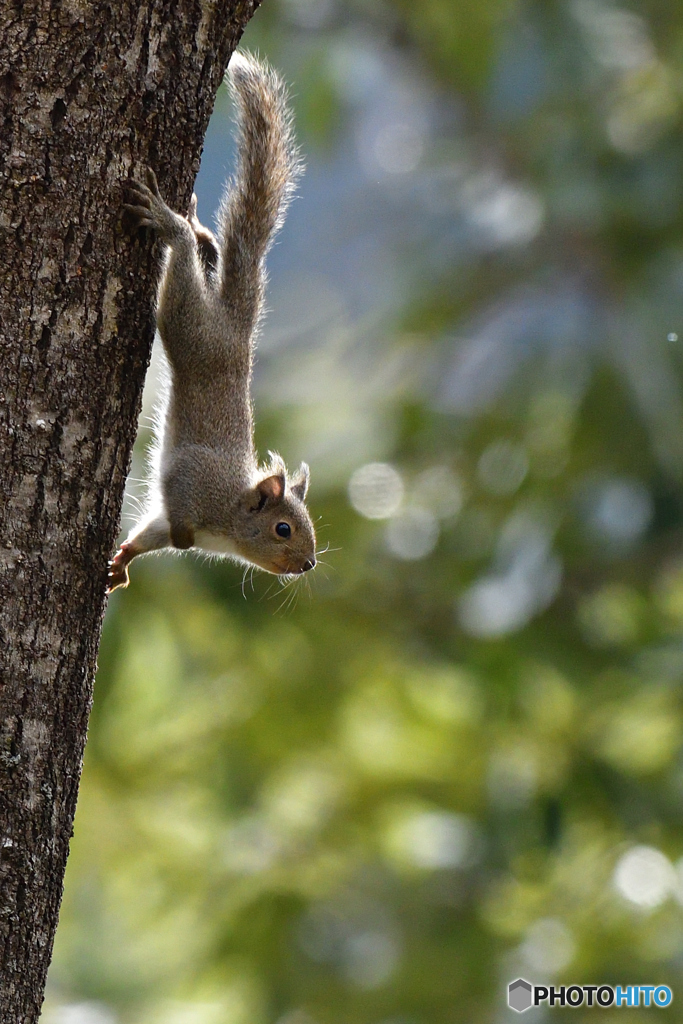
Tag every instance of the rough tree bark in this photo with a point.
(88, 91)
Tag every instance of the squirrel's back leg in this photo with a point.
(183, 292)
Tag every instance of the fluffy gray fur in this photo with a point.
(206, 488)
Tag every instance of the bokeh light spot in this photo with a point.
(619, 510)
(548, 946)
(434, 839)
(645, 876)
(503, 467)
(376, 490)
(412, 534)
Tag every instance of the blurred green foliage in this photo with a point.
(457, 760)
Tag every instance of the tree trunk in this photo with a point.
(88, 93)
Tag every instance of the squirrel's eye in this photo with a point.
(283, 530)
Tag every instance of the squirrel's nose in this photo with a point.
(310, 564)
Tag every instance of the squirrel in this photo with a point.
(206, 489)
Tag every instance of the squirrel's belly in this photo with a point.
(216, 542)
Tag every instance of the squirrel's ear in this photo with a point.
(272, 488)
(300, 482)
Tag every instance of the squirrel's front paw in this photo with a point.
(118, 569)
(148, 208)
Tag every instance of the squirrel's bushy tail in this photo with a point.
(256, 200)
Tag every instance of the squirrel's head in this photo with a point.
(276, 531)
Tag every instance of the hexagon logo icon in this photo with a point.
(519, 995)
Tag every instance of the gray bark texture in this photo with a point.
(89, 92)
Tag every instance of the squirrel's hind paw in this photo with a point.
(147, 208)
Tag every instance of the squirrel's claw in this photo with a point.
(118, 569)
(118, 578)
(141, 214)
(148, 209)
(139, 190)
(152, 182)
(140, 203)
